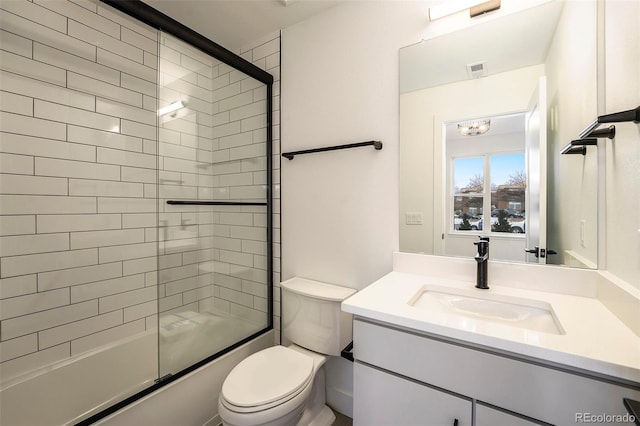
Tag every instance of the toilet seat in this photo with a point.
(267, 379)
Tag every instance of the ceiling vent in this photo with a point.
(477, 70)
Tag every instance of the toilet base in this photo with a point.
(323, 418)
(317, 413)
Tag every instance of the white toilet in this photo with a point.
(285, 385)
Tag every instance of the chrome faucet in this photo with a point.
(482, 258)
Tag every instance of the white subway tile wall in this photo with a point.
(73, 171)
(82, 164)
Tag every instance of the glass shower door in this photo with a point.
(133, 208)
(78, 210)
(212, 240)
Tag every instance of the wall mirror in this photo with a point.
(484, 113)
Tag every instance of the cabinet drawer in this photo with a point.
(488, 416)
(533, 390)
(384, 399)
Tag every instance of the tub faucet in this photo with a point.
(482, 259)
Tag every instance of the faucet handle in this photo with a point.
(483, 246)
(484, 241)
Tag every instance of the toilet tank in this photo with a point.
(311, 315)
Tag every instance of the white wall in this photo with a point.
(340, 85)
(622, 50)
(572, 102)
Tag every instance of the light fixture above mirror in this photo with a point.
(476, 7)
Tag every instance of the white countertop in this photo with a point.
(594, 339)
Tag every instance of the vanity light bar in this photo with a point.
(486, 7)
(450, 7)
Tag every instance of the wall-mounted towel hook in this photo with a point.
(579, 146)
(617, 117)
(569, 149)
(609, 132)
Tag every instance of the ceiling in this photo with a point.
(234, 24)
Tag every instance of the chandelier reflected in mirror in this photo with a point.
(474, 128)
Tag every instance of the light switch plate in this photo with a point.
(413, 218)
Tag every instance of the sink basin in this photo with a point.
(484, 306)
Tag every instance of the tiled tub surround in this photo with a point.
(85, 177)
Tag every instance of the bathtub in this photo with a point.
(75, 389)
(60, 393)
(187, 337)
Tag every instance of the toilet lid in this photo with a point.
(267, 376)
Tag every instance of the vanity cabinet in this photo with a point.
(388, 399)
(505, 388)
(488, 416)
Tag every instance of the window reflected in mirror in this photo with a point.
(488, 176)
(468, 194)
(508, 192)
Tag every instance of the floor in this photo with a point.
(342, 420)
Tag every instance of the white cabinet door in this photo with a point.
(551, 395)
(487, 416)
(383, 399)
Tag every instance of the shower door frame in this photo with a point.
(161, 22)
